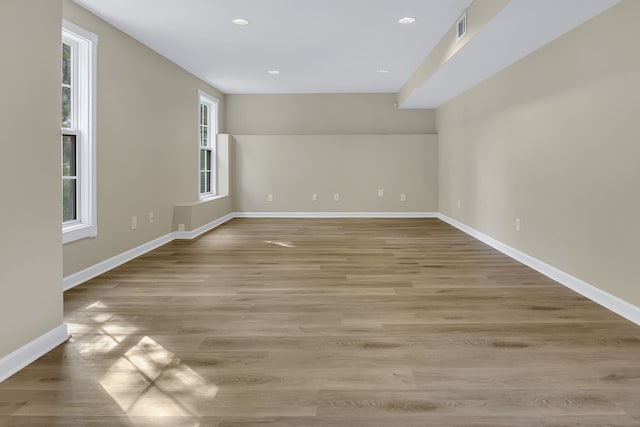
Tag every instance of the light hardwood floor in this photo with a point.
(349, 322)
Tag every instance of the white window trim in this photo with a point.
(85, 127)
(213, 120)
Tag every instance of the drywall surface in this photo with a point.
(324, 114)
(31, 207)
(294, 167)
(553, 141)
(147, 146)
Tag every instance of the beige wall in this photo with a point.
(292, 167)
(324, 114)
(147, 143)
(31, 243)
(354, 144)
(553, 140)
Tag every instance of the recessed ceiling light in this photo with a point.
(383, 71)
(274, 72)
(240, 21)
(407, 20)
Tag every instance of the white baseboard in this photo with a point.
(89, 273)
(28, 353)
(605, 299)
(82, 276)
(335, 215)
(201, 230)
(595, 294)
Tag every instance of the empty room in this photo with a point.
(227, 213)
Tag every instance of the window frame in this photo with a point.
(83, 121)
(212, 104)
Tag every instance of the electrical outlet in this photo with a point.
(518, 228)
(336, 197)
(269, 197)
(314, 196)
(381, 192)
(152, 218)
(403, 197)
(134, 222)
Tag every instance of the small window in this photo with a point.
(77, 124)
(207, 135)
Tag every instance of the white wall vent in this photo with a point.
(461, 27)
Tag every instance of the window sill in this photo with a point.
(202, 201)
(212, 197)
(74, 232)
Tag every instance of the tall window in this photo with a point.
(78, 133)
(207, 134)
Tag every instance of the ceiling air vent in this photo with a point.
(461, 27)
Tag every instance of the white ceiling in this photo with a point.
(318, 45)
(334, 46)
(519, 29)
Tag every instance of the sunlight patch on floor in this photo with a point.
(283, 244)
(148, 380)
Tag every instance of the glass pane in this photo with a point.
(203, 188)
(203, 142)
(205, 114)
(208, 181)
(69, 212)
(66, 64)
(66, 107)
(203, 160)
(69, 161)
(205, 137)
(208, 160)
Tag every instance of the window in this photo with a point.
(78, 162)
(207, 135)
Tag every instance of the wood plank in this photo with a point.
(330, 322)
